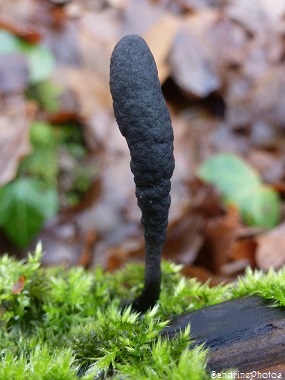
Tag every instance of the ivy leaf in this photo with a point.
(265, 208)
(25, 204)
(41, 62)
(46, 93)
(40, 59)
(242, 186)
(44, 140)
(8, 43)
(35, 165)
(43, 135)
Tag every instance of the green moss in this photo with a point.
(61, 324)
(270, 286)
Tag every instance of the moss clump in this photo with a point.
(64, 324)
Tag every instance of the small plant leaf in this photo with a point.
(229, 173)
(265, 208)
(8, 43)
(242, 186)
(46, 93)
(43, 135)
(41, 63)
(25, 204)
(41, 60)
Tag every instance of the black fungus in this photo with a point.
(144, 121)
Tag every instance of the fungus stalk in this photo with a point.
(144, 121)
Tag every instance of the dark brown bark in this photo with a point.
(246, 333)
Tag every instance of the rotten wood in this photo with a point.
(247, 334)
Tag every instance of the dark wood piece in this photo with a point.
(246, 333)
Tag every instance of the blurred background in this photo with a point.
(64, 167)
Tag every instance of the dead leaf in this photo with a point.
(91, 91)
(19, 285)
(193, 271)
(28, 33)
(14, 136)
(270, 251)
(203, 275)
(220, 235)
(207, 44)
(118, 256)
(65, 35)
(244, 249)
(24, 18)
(227, 39)
(87, 251)
(258, 16)
(192, 64)
(268, 96)
(159, 38)
(14, 73)
(140, 16)
(184, 238)
(206, 199)
(102, 27)
(238, 96)
(234, 268)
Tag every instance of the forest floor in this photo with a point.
(221, 66)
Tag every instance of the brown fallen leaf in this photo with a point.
(130, 250)
(270, 251)
(14, 135)
(194, 67)
(159, 38)
(91, 91)
(63, 32)
(141, 15)
(203, 275)
(185, 235)
(220, 235)
(19, 285)
(242, 255)
(24, 18)
(269, 94)
(239, 99)
(28, 34)
(193, 271)
(117, 257)
(14, 73)
(258, 16)
(244, 249)
(184, 238)
(87, 251)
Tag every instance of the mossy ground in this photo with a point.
(64, 324)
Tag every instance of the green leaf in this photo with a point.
(41, 62)
(45, 140)
(25, 204)
(35, 165)
(264, 208)
(242, 186)
(229, 173)
(43, 135)
(8, 43)
(46, 93)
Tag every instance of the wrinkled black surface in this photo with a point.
(144, 121)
